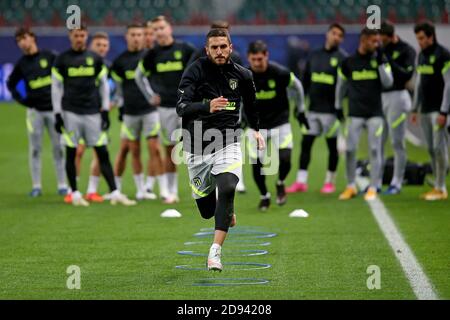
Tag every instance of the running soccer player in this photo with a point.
(432, 100)
(163, 66)
(272, 83)
(80, 96)
(365, 74)
(140, 116)
(210, 95)
(34, 67)
(319, 81)
(397, 100)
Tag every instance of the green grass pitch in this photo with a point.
(131, 253)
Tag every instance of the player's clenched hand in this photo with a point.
(442, 120)
(260, 141)
(217, 104)
(59, 123)
(156, 100)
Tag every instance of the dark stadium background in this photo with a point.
(291, 27)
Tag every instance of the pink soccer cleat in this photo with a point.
(297, 187)
(328, 188)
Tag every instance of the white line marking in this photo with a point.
(421, 285)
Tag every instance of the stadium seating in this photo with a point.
(118, 12)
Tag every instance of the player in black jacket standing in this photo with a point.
(209, 102)
(80, 96)
(34, 67)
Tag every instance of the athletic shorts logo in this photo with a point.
(89, 61)
(197, 182)
(43, 63)
(233, 84)
(334, 62)
(178, 55)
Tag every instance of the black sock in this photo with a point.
(207, 205)
(305, 156)
(333, 158)
(71, 170)
(105, 167)
(226, 183)
(285, 163)
(259, 178)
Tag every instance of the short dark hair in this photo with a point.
(257, 46)
(220, 24)
(22, 32)
(218, 33)
(369, 32)
(160, 18)
(83, 27)
(427, 27)
(337, 26)
(100, 35)
(135, 25)
(387, 28)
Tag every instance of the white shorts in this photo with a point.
(203, 168)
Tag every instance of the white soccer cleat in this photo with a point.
(120, 198)
(107, 196)
(145, 196)
(214, 256)
(78, 200)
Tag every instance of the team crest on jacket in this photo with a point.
(233, 84)
(197, 182)
(43, 63)
(178, 55)
(334, 62)
(89, 61)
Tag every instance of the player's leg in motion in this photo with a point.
(35, 126)
(331, 128)
(58, 153)
(309, 136)
(436, 139)
(257, 167)
(353, 132)
(375, 127)
(222, 210)
(283, 137)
